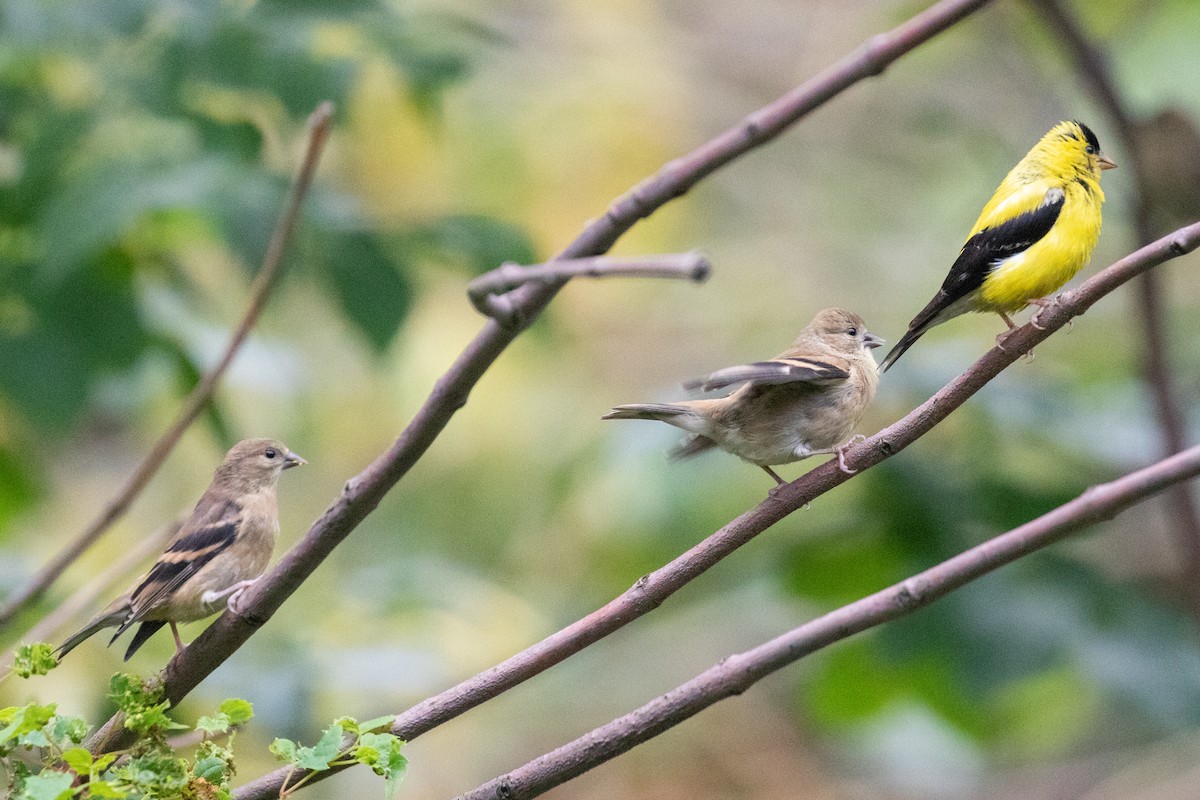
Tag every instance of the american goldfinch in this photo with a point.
(1035, 233)
(221, 549)
(803, 402)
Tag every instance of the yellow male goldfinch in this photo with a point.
(803, 402)
(1035, 233)
(221, 549)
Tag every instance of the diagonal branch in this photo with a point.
(364, 492)
(1096, 74)
(739, 672)
(264, 282)
(653, 589)
(489, 292)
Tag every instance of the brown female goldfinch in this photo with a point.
(1035, 233)
(221, 549)
(803, 402)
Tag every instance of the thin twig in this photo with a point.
(651, 590)
(737, 673)
(1094, 70)
(488, 292)
(363, 492)
(319, 124)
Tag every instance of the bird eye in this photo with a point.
(270, 452)
(1091, 151)
(853, 331)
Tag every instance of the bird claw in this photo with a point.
(232, 595)
(1043, 304)
(841, 452)
(779, 482)
(234, 603)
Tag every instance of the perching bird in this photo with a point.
(1035, 233)
(221, 549)
(803, 402)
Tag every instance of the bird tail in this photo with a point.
(144, 632)
(658, 411)
(106, 619)
(906, 341)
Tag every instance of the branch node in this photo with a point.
(886, 447)
(908, 595)
(874, 46)
(252, 619)
(501, 308)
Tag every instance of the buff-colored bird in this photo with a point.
(1036, 232)
(221, 549)
(801, 403)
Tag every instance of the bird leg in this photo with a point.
(1001, 338)
(779, 482)
(175, 633)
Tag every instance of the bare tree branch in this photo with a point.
(737, 673)
(260, 291)
(651, 590)
(363, 492)
(1096, 74)
(488, 292)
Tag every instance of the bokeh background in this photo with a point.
(144, 151)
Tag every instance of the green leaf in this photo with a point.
(217, 724)
(78, 759)
(47, 785)
(372, 287)
(26, 720)
(103, 762)
(347, 724)
(238, 711)
(106, 790)
(377, 723)
(71, 729)
(143, 706)
(382, 753)
(327, 748)
(211, 769)
(284, 750)
(34, 659)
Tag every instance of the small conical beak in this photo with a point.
(871, 341)
(1106, 162)
(293, 460)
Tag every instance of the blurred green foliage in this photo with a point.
(131, 131)
(134, 132)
